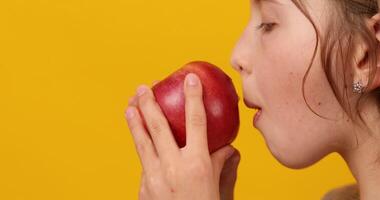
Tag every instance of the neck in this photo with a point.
(365, 167)
(364, 159)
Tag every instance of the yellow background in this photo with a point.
(67, 70)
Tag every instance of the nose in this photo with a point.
(239, 62)
(238, 57)
(236, 64)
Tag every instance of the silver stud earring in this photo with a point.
(358, 88)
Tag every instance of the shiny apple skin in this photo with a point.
(219, 97)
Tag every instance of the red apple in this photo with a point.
(219, 97)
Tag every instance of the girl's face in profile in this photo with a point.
(272, 57)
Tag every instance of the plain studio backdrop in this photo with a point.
(67, 70)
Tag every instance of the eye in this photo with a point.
(266, 27)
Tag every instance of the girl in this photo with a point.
(310, 67)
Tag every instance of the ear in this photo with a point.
(374, 25)
(362, 65)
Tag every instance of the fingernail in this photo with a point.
(141, 90)
(130, 113)
(192, 79)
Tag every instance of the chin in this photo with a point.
(294, 164)
(296, 158)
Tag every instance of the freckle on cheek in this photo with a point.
(319, 103)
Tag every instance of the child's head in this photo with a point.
(298, 60)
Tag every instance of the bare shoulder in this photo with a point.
(348, 192)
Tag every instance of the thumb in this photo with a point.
(228, 177)
(219, 157)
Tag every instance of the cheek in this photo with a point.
(280, 80)
(283, 66)
(284, 62)
(296, 136)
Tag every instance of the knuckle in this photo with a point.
(133, 125)
(142, 100)
(150, 107)
(192, 95)
(171, 173)
(198, 119)
(199, 167)
(143, 193)
(156, 127)
(145, 101)
(152, 182)
(141, 146)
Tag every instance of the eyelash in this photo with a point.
(266, 27)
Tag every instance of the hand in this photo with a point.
(168, 171)
(228, 177)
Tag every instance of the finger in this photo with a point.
(132, 101)
(229, 172)
(144, 192)
(157, 124)
(155, 82)
(228, 177)
(196, 121)
(143, 143)
(219, 158)
(231, 164)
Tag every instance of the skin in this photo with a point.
(286, 123)
(173, 173)
(281, 52)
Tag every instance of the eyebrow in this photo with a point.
(269, 1)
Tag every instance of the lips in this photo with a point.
(251, 105)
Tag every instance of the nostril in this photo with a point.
(235, 64)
